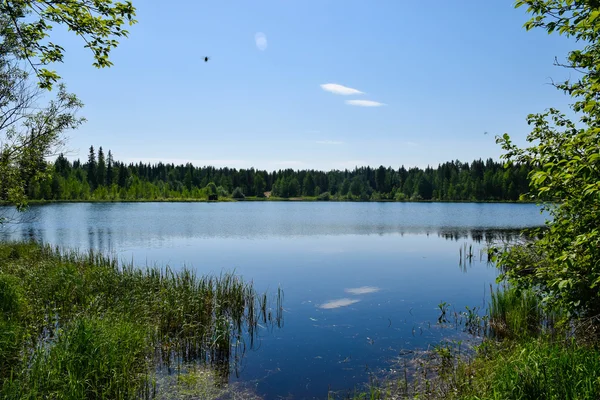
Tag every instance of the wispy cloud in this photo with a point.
(261, 41)
(362, 290)
(364, 103)
(338, 303)
(413, 144)
(329, 142)
(340, 89)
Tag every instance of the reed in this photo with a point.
(517, 314)
(57, 306)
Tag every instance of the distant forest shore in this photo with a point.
(102, 178)
(272, 199)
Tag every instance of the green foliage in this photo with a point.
(28, 24)
(540, 369)
(211, 190)
(12, 298)
(449, 181)
(13, 306)
(565, 263)
(259, 185)
(517, 314)
(400, 196)
(237, 193)
(11, 344)
(29, 133)
(90, 358)
(90, 328)
(325, 196)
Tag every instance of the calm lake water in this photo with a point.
(362, 281)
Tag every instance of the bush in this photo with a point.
(325, 196)
(222, 192)
(238, 194)
(564, 156)
(400, 196)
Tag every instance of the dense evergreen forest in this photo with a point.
(103, 178)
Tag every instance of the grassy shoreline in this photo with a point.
(527, 352)
(272, 199)
(81, 325)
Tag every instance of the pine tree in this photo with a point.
(91, 169)
(101, 171)
(109, 169)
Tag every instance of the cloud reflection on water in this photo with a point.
(362, 290)
(338, 303)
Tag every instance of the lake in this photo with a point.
(362, 281)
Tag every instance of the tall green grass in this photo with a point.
(94, 328)
(527, 353)
(518, 314)
(540, 369)
(91, 358)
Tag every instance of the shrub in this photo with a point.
(238, 194)
(325, 196)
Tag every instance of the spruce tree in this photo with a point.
(91, 169)
(101, 171)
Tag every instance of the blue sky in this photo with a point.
(443, 73)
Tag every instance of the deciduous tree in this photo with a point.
(99, 23)
(564, 265)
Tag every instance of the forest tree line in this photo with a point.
(103, 178)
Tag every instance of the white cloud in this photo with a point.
(261, 41)
(338, 303)
(364, 103)
(362, 290)
(339, 89)
(329, 142)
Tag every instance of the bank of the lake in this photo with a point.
(271, 198)
(80, 325)
(527, 352)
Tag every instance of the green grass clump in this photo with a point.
(81, 325)
(526, 355)
(12, 298)
(92, 358)
(13, 306)
(538, 369)
(514, 314)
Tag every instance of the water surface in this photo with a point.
(362, 281)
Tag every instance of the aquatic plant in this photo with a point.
(145, 322)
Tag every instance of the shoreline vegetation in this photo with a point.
(81, 326)
(273, 199)
(525, 351)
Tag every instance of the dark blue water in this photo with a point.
(362, 281)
